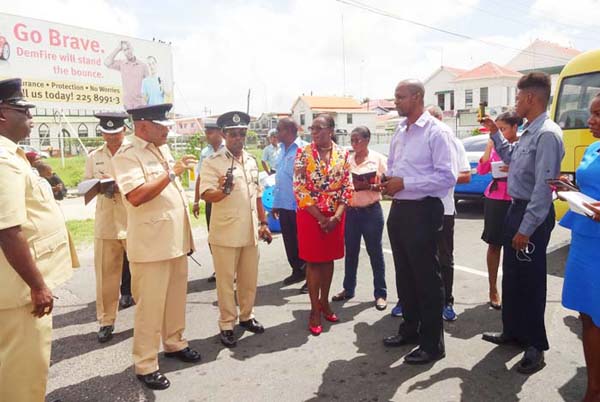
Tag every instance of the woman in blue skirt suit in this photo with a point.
(581, 289)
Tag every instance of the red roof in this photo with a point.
(488, 70)
(454, 70)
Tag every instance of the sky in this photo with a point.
(282, 49)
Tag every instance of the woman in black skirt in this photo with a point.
(497, 201)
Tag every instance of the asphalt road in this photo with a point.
(347, 362)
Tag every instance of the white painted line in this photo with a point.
(458, 267)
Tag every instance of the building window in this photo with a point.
(82, 130)
(483, 95)
(315, 115)
(452, 100)
(441, 101)
(302, 120)
(98, 132)
(349, 118)
(468, 98)
(44, 134)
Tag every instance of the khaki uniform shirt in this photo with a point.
(233, 220)
(159, 229)
(111, 217)
(26, 200)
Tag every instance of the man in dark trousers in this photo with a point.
(284, 202)
(419, 175)
(534, 159)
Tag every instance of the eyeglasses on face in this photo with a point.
(23, 110)
(356, 140)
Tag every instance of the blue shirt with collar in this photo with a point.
(205, 153)
(533, 159)
(283, 194)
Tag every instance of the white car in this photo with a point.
(29, 148)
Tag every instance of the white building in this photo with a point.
(439, 89)
(346, 112)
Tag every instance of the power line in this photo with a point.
(387, 14)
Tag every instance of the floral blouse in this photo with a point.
(319, 184)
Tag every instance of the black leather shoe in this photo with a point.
(399, 340)
(154, 380)
(532, 361)
(227, 339)
(419, 356)
(126, 301)
(105, 333)
(212, 278)
(295, 277)
(186, 355)
(304, 288)
(499, 338)
(253, 326)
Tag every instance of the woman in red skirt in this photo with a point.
(323, 189)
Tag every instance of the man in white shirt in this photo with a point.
(445, 241)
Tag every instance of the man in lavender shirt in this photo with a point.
(419, 175)
(133, 73)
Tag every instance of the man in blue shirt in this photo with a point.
(284, 201)
(271, 153)
(533, 160)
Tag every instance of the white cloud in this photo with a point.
(578, 13)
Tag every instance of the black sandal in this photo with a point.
(341, 296)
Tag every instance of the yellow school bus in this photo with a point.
(577, 84)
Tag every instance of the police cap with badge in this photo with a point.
(112, 123)
(231, 120)
(154, 113)
(211, 124)
(11, 94)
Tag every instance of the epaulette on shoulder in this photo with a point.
(124, 148)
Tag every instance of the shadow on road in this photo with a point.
(76, 345)
(84, 315)
(557, 260)
(469, 209)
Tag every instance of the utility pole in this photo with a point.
(248, 102)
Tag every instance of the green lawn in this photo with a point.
(73, 171)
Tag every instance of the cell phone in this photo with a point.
(561, 185)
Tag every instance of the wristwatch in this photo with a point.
(172, 176)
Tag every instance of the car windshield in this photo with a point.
(574, 100)
(476, 143)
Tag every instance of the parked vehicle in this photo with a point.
(578, 83)
(475, 147)
(29, 148)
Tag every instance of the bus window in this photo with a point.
(574, 99)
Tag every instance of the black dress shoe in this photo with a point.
(227, 338)
(532, 361)
(399, 340)
(419, 356)
(105, 333)
(253, 326)
(295, 277)
(304, 288)
(499, 338)
(212, 278)
(126, 301)
(185, 355)
(154, 380)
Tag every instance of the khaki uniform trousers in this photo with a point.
(160, 291)
(239, 264)
(24, 355)
(108, 260)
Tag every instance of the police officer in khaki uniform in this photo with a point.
(159, 238)
(237, 221)
(110, 230)
(34, 259)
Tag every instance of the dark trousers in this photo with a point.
(289, 231)
(445, 243)
(412, 228)
(524, 281)
(367, 223)
(125, 278)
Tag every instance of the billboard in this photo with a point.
(66, 67)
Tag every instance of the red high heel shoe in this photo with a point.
(331, 317)
(316, 330)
